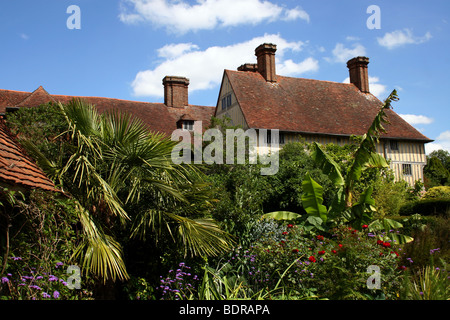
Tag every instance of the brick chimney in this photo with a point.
(175, 91)
(357, 68)
(265, 55)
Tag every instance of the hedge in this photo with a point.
(431, 207)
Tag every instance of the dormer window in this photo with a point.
(187, 125)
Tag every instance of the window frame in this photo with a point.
(407, 169)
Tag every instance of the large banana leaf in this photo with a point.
(361, 212)
(281, 215)
(387, 225)
(312, 198)
(327, 165)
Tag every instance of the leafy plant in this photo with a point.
(343, 207)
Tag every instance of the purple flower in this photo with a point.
(5, 280)
(45, 295)
(59, 264)
(56, 294)
(52, 278)
(35, 287)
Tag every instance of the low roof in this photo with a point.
(157, 116)
(16, 168)
(312, 107)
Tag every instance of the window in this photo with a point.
(226, 101)
(407, 170)
(188, 125)
(280, 137)
(394, 145)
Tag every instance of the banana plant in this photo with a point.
(364, 157)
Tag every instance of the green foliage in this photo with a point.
(430, 245)
(281, 215)
(110, 163)
(441, 192)
(43, 237)
(437, 170)
(364, 157)
(391, 195)
(430, 207)
(429, 283)
(312, 199)
(300, 265)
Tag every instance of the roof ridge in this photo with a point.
(39, 90)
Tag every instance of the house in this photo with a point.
(17, 170)
(255, 97)
(164, 118)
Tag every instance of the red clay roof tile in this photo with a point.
(16, 167)
(312, 107)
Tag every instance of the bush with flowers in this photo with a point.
(25, 282)
(333, 265)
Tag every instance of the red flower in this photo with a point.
(322, 252)
(285, 233)
(394, 252)
(319, 237)
(365, 226)
(295, 251)
(387, 244)
(312, 259)
(380, 242)
(340, 245)
(334, 251)
(290, 225)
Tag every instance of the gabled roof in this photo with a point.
(36, 98)
(157, 116)
(16, 168)
(312, 106)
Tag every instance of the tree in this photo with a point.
(112, 161)
(435, 172)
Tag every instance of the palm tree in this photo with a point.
(114, 162)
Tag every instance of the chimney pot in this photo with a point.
(175, 91)
(357, 68)
(265, 54)
(252, 67)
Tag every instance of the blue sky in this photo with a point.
(124, 48)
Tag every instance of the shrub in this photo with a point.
(26, 281)
(429, 283)
(430, 245)
(426, 207)
(328, 266)
(440, 192)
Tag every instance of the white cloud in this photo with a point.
(343, 54)
(375, 88)
(291, 68)
(441, 142)
(172, 51)
(413, 119)
(204, 68)
(181, 17)
(398, 38)
(24, 36)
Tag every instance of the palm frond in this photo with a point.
(100, 253)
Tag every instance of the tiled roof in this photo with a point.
(312, 107)
(157, 116)
(16, 168)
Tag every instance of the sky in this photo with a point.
(123, 48)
